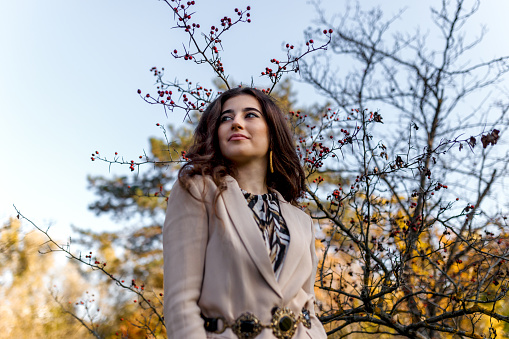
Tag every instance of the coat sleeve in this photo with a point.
(317, 331)
(185, 235)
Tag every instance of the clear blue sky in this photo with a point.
(69, 71)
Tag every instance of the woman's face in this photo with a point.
(243, 132)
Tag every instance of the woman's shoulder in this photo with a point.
(199, 186)
(196, 180)
(300, 213)
(296, 210)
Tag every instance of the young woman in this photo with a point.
(239, 257)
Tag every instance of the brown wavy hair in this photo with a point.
(205, 157)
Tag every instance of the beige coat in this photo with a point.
(217, 263)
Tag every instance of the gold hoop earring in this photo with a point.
(270, 162)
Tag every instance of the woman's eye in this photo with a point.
(225, 118)
(252, 115)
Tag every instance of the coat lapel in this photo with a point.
(244, 223)
(297, 246)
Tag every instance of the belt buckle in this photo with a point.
(284, 323)
(247, 326)
(210, 324)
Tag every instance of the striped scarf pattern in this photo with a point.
(271, 223)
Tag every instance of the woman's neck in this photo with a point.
(252, 179)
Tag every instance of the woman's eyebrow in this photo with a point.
(246, 109)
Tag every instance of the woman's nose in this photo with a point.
(236, 124)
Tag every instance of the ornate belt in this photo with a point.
(247, 326)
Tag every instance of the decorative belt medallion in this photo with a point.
(284, 323)
(247, 326)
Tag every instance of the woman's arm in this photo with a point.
(185, 235)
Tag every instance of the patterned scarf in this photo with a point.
(275, 233)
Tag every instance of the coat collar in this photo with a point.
(252, 239)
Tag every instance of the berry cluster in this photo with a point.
(291, 64)
(318, 180)
(191, 97)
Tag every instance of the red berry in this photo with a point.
(248, 8)
(174, 51)
(139, 91)
(330, 31)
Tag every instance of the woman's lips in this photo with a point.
(237, 137)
